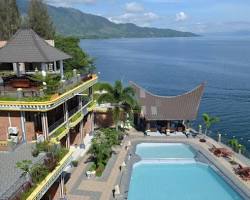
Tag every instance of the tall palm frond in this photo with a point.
(121, 98)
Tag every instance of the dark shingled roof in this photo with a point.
(27, 46)
(182, 107)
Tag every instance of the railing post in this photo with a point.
(45, 125)
(200, 129)
(219, 138)
(23, 127)
(68, 140)
(240, 148)
(61, 186)
(61, 69)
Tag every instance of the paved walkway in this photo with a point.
(79, 184)
(80, 188)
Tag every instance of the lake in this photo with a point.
(171, 66)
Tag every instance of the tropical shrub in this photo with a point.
(100, 169)
(101, 148)
(75, 163)
(35, 152)
(43, 146)
(236, 146)
(25, 166)
(38, 172)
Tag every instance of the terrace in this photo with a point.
(16, 183)
(31, 69)
(28, 87)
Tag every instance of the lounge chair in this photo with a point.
(163, 130)
(243, 172)
(239, 167)
(221, 152)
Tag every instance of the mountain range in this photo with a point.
(73, 22)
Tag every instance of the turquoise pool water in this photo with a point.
(178, 181)
(164, 150)
(168, 171)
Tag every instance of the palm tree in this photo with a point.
(121, 99)
(209, 121)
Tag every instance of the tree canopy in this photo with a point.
(80, 60)
(39, 19)
(121, 98)
(10, 19)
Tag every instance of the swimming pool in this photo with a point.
(175, 179)
(164, 151)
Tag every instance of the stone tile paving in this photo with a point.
(9, 173)
(95, 188)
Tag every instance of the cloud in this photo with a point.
(135, 13)
(134, 7)
(181, 16)
(142, 19)
(69, 3)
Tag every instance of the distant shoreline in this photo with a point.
(101, 38)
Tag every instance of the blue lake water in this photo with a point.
(171, 66)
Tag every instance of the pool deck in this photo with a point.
(100, 188)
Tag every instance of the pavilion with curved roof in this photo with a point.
(164, 112)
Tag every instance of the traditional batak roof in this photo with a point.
(27, 47)
(182, 107)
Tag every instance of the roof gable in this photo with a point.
(181, 107)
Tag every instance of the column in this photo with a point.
(61, 70)
(147, 125)
(45, 126)
(92, 128)
(61, 185)
(80, 101)
(55, 66)
(66, 113)
(14, 67)
(81, 134)
(66, 118)
(43, 69)
(18, 73)
(68, 140)
(168, 128)
(22, 114)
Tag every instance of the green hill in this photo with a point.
(70, 21)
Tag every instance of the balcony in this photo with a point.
(91, 106)
(71, 88)
(10, 87)
(59, 133)
(43, 187)
(75, 118)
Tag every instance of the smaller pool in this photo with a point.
(164, 151)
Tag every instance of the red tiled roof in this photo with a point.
(181, 107)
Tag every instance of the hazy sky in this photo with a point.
(199, 16)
